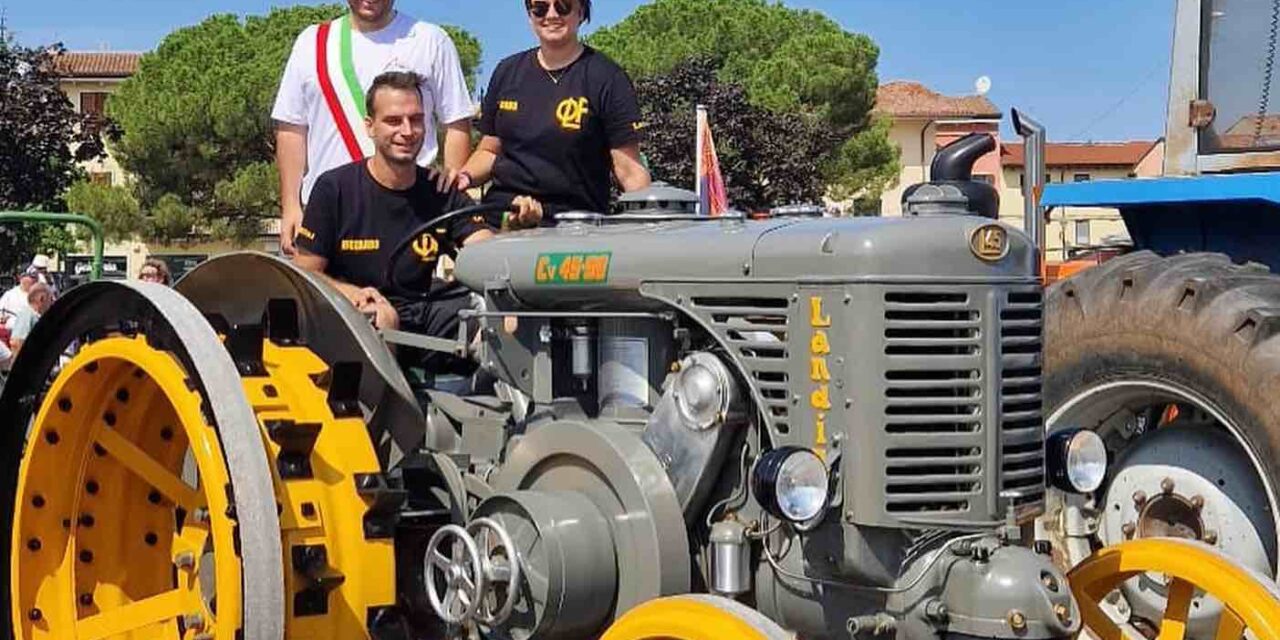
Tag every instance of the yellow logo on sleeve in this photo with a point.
(360, 245)
(509, 105)
(570, 113)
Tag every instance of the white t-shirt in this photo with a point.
(11, 303)
(405, 44)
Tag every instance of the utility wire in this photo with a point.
(1119, 103)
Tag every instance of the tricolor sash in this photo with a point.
(336, 69)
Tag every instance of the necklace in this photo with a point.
(556, 75)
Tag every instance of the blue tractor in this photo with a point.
(1172, 351)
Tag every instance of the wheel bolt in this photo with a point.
(1210, 537)
(86, 599)
(1017, 620)
(1128, 529)
(35, 615)
(1063, 613)
(184, 560)
(1166, 485)
(1197, 502)
(1139, 498)
(193, 621)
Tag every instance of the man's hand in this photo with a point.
(527, 213)
(451, 178)
(372, 303)
(290, 221)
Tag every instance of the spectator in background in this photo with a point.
(40, 264)
(40, 297)
(155, 271)
(15, 300)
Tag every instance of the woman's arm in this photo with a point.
(480, 167)
(629, 169)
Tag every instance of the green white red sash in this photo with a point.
(336, 69)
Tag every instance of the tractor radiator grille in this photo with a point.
(757, 329)
(933, 401)
(1022, 426)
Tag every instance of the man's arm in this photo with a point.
(629, 169)
(291, 159)
(366, 300)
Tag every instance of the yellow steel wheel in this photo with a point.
(110, 540)
(340, 564)
(694, 617)
(1250, 601)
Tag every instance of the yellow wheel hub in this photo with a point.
(125, 525)
(694, 617)
(1250, 602)
(110, 540)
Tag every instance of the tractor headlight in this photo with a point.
(791, 483)
(702, 393)
(1077, 460)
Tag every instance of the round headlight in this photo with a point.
(1077, 460)
(791, 483)
(700, 395)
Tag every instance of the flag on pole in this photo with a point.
(713, 200)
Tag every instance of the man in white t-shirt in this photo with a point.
(319, 108)
(15, 300)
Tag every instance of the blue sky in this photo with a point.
(1089, 70)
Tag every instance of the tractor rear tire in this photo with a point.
(1197, 324)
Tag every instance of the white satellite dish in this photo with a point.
(983, 85)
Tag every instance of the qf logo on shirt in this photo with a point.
(426, 247)
(570, 113)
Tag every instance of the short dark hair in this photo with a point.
(398, 80)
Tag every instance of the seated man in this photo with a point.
(358, 213)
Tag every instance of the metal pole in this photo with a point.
(95, 228)
(1034, 137)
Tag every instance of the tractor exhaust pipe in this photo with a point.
(1034, 137)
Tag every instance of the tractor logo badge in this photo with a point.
(570, 113)
(990, 243)
(426, 247)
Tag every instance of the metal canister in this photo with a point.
(730, 558)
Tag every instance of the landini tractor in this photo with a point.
(679, 427)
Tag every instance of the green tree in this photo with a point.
(42, 138)
(196, 127)
(791, 61)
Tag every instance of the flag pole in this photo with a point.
(701, 117)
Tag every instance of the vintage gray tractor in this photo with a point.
(680, 427)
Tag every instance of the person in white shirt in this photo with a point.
(15, 300)
(40, 298)
(319, 108)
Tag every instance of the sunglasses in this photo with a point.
(542, 8)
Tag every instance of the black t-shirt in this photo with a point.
(558, 128)
(355, 223)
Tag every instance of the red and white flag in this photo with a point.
(713, 200)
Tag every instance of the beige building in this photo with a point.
(924, 121)
(88, 78)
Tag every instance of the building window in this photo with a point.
(93, 103)
(1081, 177)
(1083, 238)
(100, 177)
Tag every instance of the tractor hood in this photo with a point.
(586, 266)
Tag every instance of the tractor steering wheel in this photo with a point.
(390, 278)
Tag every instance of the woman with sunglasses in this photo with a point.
(558, 120)
(155, 271)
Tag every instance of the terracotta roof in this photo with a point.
(97, 64)
(914, 100)
(1250, 132)
(1091, 154)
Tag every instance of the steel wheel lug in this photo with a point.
(1166, 485)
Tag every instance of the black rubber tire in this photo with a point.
(1195, 320)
